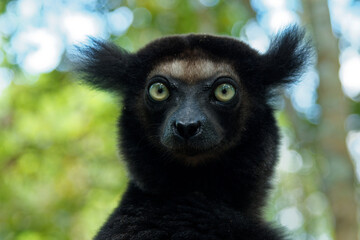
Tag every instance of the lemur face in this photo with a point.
(195, 106)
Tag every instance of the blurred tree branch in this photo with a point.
(330, 145)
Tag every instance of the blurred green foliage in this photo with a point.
(60, 172)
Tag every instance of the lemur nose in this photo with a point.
(188, 129)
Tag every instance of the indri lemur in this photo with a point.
(197, 133)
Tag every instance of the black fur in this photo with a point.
(220, 199)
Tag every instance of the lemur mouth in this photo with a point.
(194, 157)
(191, 151)
(187, 150)
(193, 148)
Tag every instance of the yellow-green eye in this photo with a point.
(224, 92)
(159, 92)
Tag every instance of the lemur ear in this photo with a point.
(102, 65)
(287, 57)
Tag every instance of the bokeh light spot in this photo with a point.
(291, 218)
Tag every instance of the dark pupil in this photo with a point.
(160, 90)
(224, 91)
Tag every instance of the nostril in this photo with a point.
(192, 129)
(187, 130)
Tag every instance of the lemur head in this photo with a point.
(197, 103)
(191, 98)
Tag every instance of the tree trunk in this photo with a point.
(339, 180)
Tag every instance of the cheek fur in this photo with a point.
(149, 123)
(232, 123)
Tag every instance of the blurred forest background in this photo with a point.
(60, 173)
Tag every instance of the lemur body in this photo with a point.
(197, 133)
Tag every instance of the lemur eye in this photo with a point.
(158, 92)
(224, 92)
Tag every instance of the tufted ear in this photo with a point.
(288, 55)
(103, 65)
